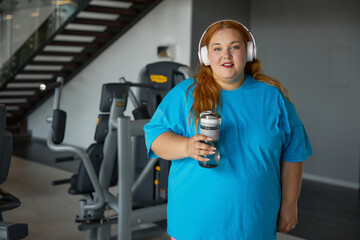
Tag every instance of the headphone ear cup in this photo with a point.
(250, 52)
(204, 56)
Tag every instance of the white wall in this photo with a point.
(167, 23)
(313, 48)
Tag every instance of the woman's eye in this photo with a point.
(235, 47)
(217, 49)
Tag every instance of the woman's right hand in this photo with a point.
(197, 149)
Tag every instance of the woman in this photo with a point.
(254, 190)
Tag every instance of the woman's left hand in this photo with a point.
(287, 217)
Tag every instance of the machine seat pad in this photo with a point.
(80, 182)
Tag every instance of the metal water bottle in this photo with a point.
(210, 126)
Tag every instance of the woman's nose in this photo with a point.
(226, 53)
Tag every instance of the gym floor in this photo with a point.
(325, 211)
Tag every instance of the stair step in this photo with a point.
(98, 22)
(17, 112)
(58, 73)
(73, 54)
(94, 28)
(112, 10)
(11, 120)
(87, 33)
(15, 89)
(132, 1)
(81, 44)
(21, 105)
(35, 80)
(65, 64)
(28, 98)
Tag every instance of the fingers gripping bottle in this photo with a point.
(210, 127)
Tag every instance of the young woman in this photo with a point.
(253, 192)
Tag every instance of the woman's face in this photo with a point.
(227, 56)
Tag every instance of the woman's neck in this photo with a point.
(234, 84)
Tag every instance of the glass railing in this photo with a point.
(27, 25)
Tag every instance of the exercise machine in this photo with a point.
(111, 160)
(8, 230)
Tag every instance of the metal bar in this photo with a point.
(57, 94)
(140, 179)
(100, 199)
(187, 72)
(148, 214)
(112, 201)
(125, 178)
(133, 99)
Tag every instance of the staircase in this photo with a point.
(92, 28)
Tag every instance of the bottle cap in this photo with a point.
(210, 119)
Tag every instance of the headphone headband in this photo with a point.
(202, 51)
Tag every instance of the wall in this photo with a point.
(205, 14)
(168, 23)
(313, 48)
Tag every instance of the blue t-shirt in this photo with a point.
(240, 198)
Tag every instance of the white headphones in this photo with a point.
(251, 46)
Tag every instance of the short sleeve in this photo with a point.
(296, 147)
(157, 126)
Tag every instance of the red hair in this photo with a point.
(207, 91)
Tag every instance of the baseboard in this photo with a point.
(332, 181)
